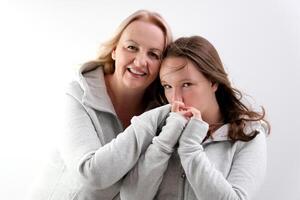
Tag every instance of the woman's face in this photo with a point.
(138, 55)
(183, 82)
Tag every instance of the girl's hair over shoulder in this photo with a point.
(234, 112)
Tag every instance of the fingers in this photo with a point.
(187, 114)
(194, 112)
(187, 111)
(177, 106)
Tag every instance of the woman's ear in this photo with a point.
(113, 54)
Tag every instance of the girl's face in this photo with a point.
(138, 55)
(183, 82)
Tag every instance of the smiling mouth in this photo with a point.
(136, 72)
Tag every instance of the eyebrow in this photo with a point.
(152, 49)
(131, 41)
(181, 81)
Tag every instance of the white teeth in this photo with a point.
(136, 72)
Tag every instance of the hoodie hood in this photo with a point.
(91, 80)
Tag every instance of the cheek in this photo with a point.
(168, 96)
(120, 61)
(123, 57)
(154, 67)
(192, 98)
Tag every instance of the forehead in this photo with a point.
(179, 68)
(144, 33)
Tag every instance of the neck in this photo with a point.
(127, 102)
(214, 120)
(214, 116)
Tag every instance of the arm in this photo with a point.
(143, 180)
(246, 173)
(103, 165)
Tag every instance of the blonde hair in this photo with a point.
(104, 58)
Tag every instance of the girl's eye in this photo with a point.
(166, 86)
(186, 84)
(154, 55)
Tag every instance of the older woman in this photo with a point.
(98, 147)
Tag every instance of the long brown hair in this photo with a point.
(234, 112)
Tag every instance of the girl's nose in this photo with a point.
(177, 96)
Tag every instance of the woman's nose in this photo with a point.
(140, 60)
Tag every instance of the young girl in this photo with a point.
(221, 152)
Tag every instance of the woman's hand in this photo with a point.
(187, 111)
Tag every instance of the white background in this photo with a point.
(43, 42)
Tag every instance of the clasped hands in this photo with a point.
(186, 111)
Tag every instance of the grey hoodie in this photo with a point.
(214, 170)
(95, 153)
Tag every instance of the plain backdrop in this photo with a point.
(43, 42)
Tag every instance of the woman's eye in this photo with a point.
(132, 48)
(186, 84)
(154, 55)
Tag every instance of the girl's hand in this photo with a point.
(193, 112)
(188, 112)
(178, 107)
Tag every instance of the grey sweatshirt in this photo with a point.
(214, 170)
(95, 153)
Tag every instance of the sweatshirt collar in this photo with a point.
(221, 134)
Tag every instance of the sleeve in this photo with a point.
(103, 165)
(143, 180)
(246, 174)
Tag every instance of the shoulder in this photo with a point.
(259, 126)
(259, 142)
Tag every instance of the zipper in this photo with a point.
(183, 177)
